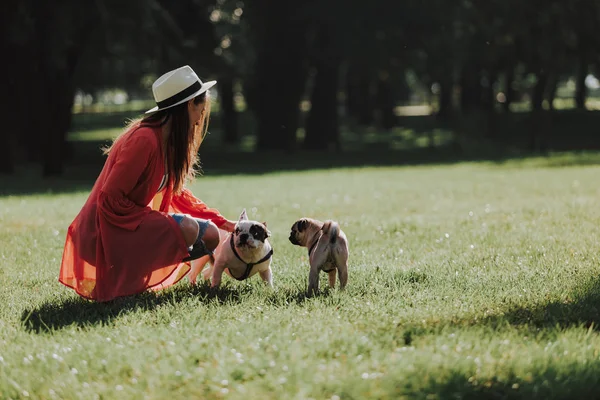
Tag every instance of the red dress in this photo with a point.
(118, 245)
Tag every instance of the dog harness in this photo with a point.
(249, 266)
(312, 247)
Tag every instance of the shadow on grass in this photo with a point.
(581, 309)
(573, 380)
(82, 172)
(76, 311)
(570, 381)
(299, 296)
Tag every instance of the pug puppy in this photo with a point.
(241, 254)
(327, 250)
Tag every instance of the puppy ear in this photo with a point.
(302, 225)
(268, 232)
(243, 215)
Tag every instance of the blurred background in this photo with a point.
(327, 82)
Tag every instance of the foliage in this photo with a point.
(470, 53)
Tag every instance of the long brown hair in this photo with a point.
(183, 141)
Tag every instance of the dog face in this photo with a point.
(299, 232)
(250, 234)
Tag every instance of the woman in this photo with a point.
(140, 226)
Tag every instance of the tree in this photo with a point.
(234, 57)
(322, 127)
(64, 45)
(47, 40)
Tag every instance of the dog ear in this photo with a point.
(243, 215)
(302, 225)
(266, 230)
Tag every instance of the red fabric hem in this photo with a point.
(76, 291)
(153, 287)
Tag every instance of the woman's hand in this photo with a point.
(228, 226)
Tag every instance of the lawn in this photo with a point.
(467, 280)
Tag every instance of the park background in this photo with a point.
(455, 141)
(424, 79)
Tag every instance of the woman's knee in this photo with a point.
(211, 236)
(190, 228)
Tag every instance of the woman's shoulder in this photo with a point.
(144, 133)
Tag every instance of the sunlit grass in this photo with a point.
(474, 280)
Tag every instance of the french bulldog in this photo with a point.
(327, 250)
(241, 254)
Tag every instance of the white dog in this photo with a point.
(240, 254)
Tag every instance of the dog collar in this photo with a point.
(249, 266)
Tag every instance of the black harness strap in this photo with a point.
(249, 266)
(312, 246)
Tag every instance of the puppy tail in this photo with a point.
(332, 229)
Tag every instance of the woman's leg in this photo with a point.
(211, 236)
(190, 229)
(201, 235)
(211, 241)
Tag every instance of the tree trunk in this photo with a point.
(488, 99)
(365, 100)
(552, 87)
(352, 92)
(359, 102)
(281, 78)
(229, 115)
(62, 92)
(540, 127)
(385, 102)
(7, 160)
(509, 91)
(57, 69)
(582, 72)
(9, 95)
(539, 90)
(322, 124)
(445, 108)
(470, 89)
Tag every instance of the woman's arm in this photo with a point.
(132, 159)
(187, 203)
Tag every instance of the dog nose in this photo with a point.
(243, 238)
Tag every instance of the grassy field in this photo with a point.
(470, 280)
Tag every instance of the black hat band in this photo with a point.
(179, 96)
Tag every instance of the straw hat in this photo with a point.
(176, 87)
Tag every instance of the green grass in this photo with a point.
(474, 280)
